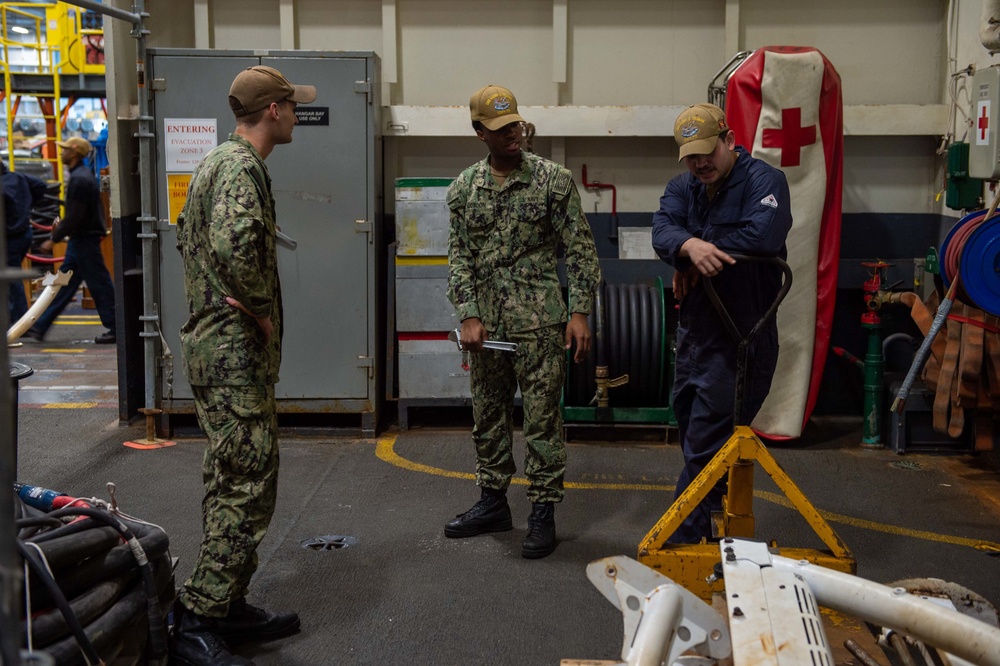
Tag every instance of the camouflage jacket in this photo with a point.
(226, 235)
(503, 243)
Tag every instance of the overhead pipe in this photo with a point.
(613, 234)
(135, 18)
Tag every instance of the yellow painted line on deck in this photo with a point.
(63, 350)
(421, 261)
(978, 544)
(69, 405)
(385, 450)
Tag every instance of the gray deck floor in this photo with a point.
(404, 594)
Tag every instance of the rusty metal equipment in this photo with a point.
(771, 613)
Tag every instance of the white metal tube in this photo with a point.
(52, 283)
(896, 609)
(660, 619)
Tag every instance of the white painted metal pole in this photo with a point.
(286, 21)
(560, 40)
(202, 25)
(51, 283)
(894, 608)
(390, 37)
(733, 45)
(660, 619)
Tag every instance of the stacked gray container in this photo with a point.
(430, 367)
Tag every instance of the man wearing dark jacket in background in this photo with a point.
(85, 226)
(21, 193)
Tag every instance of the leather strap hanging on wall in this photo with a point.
(945, 383)
(992, 375)
(963, 368)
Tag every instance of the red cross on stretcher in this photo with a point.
(790, 137)
(983, 124)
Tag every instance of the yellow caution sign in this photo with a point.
(177, 191)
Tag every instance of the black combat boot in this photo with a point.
(490, 514)
(541, 539)
(248, 623)
(195, 642)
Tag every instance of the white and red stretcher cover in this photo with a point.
(785, 105)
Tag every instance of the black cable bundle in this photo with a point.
(44, 214)
(99, 585)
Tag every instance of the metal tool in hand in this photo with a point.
(456, 337)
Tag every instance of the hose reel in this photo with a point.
(971, 251)
(629, 360)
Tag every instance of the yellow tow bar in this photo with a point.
(692, 565)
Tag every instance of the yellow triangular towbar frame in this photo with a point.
(689, 565)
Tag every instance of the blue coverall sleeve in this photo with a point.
(765, 217)
(670, 222)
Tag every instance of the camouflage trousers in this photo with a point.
(240, 472)
(538, 367)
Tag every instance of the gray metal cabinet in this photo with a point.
(326, 188)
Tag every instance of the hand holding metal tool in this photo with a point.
(456, 337)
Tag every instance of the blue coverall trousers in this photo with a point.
(17, 248)
(704, 399)
(84, 258)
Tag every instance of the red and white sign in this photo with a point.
(186, 141)
(982, 123)
(785, 105)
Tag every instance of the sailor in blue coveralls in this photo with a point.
(728, 202)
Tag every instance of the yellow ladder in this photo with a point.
(40, 60)
(62, 46)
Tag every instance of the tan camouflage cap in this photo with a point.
(494, 107)
(697, 127)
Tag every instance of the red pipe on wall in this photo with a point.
(613, 235)
(603, 186)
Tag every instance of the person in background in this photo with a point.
(231, 352)
(21, 193)
(727, 202)
(85, 226)
(510, 213)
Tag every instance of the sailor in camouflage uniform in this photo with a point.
(509, 214)
(231, 346)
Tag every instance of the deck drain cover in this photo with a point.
(911, 466)
(329, 542)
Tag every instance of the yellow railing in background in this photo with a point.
(62, 45)
(80, 49)
(43, 59)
